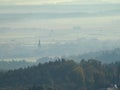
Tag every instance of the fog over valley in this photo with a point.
(62, 29)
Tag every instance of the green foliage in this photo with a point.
(63, 75)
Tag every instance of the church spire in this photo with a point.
(39, 43)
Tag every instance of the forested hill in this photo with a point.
(62, 75)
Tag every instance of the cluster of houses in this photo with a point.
(112, 87)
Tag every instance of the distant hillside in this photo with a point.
(104, 56)
(107, 56)
(8, 65)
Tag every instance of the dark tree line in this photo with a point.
(62, 75)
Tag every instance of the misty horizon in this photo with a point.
(61, 26)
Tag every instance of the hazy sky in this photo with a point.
(92, 23)
(21, 2)
(58, 20)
